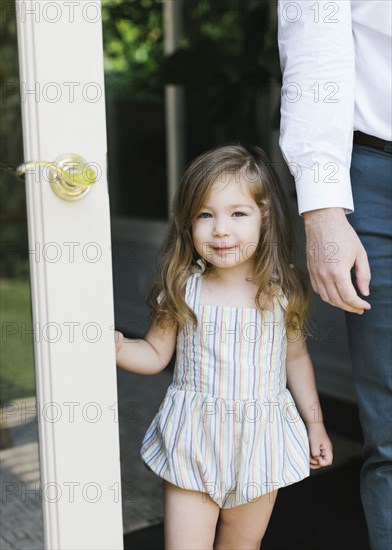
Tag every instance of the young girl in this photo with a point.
(228, 434)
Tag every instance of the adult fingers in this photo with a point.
(341, 295)
(323, 280)
(335, 287)
(350, 301)
(362, 273)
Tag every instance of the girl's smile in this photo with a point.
(223, 248)
(226, 230)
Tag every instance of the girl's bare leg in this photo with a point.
(243, 527)
(190, 519)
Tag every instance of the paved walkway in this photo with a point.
(21, 521)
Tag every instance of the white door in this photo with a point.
(63, 112)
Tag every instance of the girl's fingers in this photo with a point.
(326, 452)
(320, 463)
(315, 451)
(328, 457)
(321, 459)
(118, 339)
(314, 461)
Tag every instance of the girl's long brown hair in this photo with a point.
(273, 256)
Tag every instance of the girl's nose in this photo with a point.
(220, 228)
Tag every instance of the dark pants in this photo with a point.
(370, 337)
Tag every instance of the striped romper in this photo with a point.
(228, 426)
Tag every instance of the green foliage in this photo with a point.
(230, 43)
(133, 48)
(12, 191)
(17, 363)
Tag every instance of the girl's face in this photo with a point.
(226, 230)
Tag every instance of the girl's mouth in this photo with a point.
(223, 248)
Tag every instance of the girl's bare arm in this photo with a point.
(301, 379)
(302, 385)
(149, 355)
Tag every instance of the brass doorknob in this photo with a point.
(70, 175)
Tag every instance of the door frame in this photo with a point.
(60, 51)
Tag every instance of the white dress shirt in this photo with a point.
(336, 63)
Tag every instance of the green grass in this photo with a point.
(17, 357)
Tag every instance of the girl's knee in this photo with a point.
(229, 537)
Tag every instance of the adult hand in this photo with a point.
(332, 249)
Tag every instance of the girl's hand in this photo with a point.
(321, 454)
(119, 340)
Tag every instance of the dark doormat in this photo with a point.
(322, 512)
(150, 538)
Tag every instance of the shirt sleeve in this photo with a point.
(317, 59)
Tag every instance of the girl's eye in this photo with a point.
(204, 215)
(238, 214)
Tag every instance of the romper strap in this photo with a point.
(281, 296)
(282, 299)
(193, 286)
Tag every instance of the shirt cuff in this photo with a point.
(323, 190)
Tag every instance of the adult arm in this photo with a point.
(317, 112)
